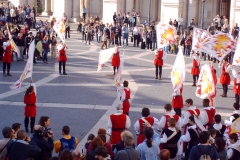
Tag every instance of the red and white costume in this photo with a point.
(177, 100)
(215, 83)
(196, 63)
(7, 54)
(116, 58)
(62, 53)
(160, 56)
(140, 125)
(117, 123)
(236, 85)
(30, 101)
(164, 119)
(125, 99)
(207, 116)
(225, 77)
(192, 110)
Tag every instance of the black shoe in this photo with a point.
(60, 72)
(64, 73)
(26, 129)
(194, 85)
(4, 74)
(156, 77)
(34, 62)
(159, 78)
(9, 74)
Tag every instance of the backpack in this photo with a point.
(204, 156)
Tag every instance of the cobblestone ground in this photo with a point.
(85, 98)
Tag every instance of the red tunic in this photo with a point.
(116, 59)
(126, 104)
(7, 55)
(118, 126)
(158, 61)
(141, 136)
(225, 78)
(177, 101)
(236, 87)
(211, 113)
(175, 116)
(62, 55)
(30, 108)
(195, 69)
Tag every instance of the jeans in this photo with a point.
(21, 48)
(135, 38)
(45, 52)
(180, 29)
(131, 26)
(125, 36)
(187, 50)
(154, 43)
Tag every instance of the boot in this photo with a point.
(156, 77)
(194, 84)
(26, 129)
(64, 73)
(8, 72)
(60, 72)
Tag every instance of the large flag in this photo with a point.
(59, 28)
(236, 58)
(39, 47)
(219, 45)
(13, 44)
(104, 56)
(27, 72)
(178, 72)
(205, 86)
(235, 126)
(165, 34)
(199, 35)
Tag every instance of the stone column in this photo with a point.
(234, 10)
(129, 6)
(66, 7)
(137, 6)
(81, 6)
(111, 6)
(185, 14)
(193, 11)
(123, 6)
(88, 7)
(47, 10)
(52, 6)
(76, 11)
(159, 11)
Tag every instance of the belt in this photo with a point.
(7, 50)
(159, 58)
(115, 55)
(62, 55)
(30, 104)
(118, 129)
(226, 74)
(195, 66)
(126, 100)
(171, 145)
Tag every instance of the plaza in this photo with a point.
(85, 98)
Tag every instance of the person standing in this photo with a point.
(236, 84)
(136, 34)
(116, 59)
(45, 44)
(53, 46)
(20, 44)
(188, 45)
(67, 29)
(180, 24)
(1, 45)
(7, 136)
(7, 57)
(30, 99)
(62, 58)
(177, 101)
(125, 98)
(134, 14)
(154, 38)
(88, 32)
(160, 56)
(84, 11)
(225, 77)
(217, 22)
(195, 68)
(28, 40)
(119, 27)
(125, 34)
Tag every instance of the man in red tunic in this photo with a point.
(62, 58)
(116, 59)
(236, 85)
(160, 56)
(195, 69)
(177, 102)
(169, 113)
(207, 114)
(117, 123)
(125, 98)
(213, 71)
(225, 77)
(7, 57)
(142, 123)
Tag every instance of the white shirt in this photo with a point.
(229, 123)
(6, 44)
(137, 125)
(60, 47)
(164, 54)
(187, 137)
(203, 117)
(186, 115)
(162, 121)
(123, 93)
(235, 146)
(236, 75)
(197, 58)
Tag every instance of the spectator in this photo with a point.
(211, 29)
(76, 155)
(89, 140)
(84, 13)
(233, 151)
(225, 27)
(95, 143)
(149, 149)
(180, 24)
(191, 25)
(7, 135)
(220, 146)
(53, 47)
(154, 39)
(235, 31)
(175, 23)
(66, 155)
(67, 29)
(43, 138)
(20, 43)
(164, 154)
(15, 128)
(45, 44)
(170, 21)
(22, 147)
(107, 145)
(102, 153)
(217, 22)
(203, 148)
(128, 152)
(120, 146)
(67, 142)
(188, 45)
(136, 36)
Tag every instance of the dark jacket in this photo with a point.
(91, 155)
(46, 146)
(28, 41)
(19, 42)
(122, 155)
(21, 150)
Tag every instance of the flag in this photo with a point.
(236, 58)
(219, 45)
(178, 72)
(118, 76)
(13, 44)
(59, 28)
(165, 34)
(235, 126)
(27, 72)
(39, 47)
(104, 56)
(205, 86)
(199, 35)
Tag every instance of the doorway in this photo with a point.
(225, 8)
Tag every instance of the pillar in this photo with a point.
(137, 6)
(193, 11)
(80, 6)
(185, 14)
(129, 6)
(159, 10)
(88, 7)
(123, 6)
(47, 9)
(233, 11)
(66, 7)
(111, 6)
(31, 3)
(153, 12)
(52, 6)
(76, 11)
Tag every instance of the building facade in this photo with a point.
(156, 10)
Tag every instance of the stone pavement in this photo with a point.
(85, 98)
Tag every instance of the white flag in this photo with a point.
(104, 56)
(236, 58)
(13, 44)
(27, 72)
(59, 28)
